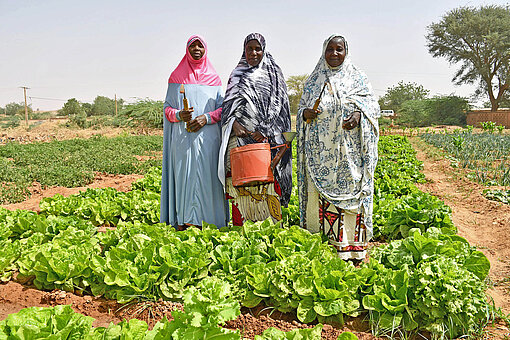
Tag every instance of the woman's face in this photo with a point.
(196, 49)
(253, 52)
(335, 52)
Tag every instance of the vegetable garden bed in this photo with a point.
(285, 268)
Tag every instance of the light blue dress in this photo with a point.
(190, 190)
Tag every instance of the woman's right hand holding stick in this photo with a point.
(310, 114)
(185, 115)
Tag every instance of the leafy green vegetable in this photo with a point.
(443, 280)
(106, 206)
(63, 262)
(59, 322)
(126, 330)
(388, 301)
(205, 307)
(347, 336)
(151, 181)
(448, 299)
(297, 334)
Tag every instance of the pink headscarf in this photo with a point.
(191, 71)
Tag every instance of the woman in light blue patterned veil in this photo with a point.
(337, 151)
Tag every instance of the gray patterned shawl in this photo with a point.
(263, 89)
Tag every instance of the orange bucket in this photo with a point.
(251, 164)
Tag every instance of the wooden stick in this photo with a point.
(318, 101)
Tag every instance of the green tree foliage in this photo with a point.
(12, 109)
(87, 107)
(505, 102)
(478, 39)
(144, 113)
(73, 109)
(295, 86)
(396, 95)
(2, 111)
(80, 119)
(440, 110)
(105, 106)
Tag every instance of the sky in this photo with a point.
(82, 49)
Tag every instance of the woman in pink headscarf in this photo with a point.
(191, 192)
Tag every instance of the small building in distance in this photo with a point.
(500, 117)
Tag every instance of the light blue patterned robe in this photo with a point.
(341, 163)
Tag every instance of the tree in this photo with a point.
(440, 110)
(414, 113)
(395, 96)
(145, 113)
(478, 39)
(72, 107)
(12, 109)
(295, 85)
(87, 107)
(505, 102)
(76, 113)
(105, 106)
(448, 110)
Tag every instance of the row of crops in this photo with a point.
(486, 156)
(425, 279)
(72, 163)
(206, 306)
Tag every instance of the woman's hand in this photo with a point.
(259, 138)
(310, 114)
(352, 121)
(185, 115)
(240, 131)
(196, 124)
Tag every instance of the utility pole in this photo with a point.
(26, 108)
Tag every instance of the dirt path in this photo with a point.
(484, 223)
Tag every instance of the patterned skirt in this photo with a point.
(344, 229)
(254, 203)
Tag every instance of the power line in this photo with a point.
(411, 73)
(63, 100)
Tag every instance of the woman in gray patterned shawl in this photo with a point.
(256, 109)
(337, 151)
